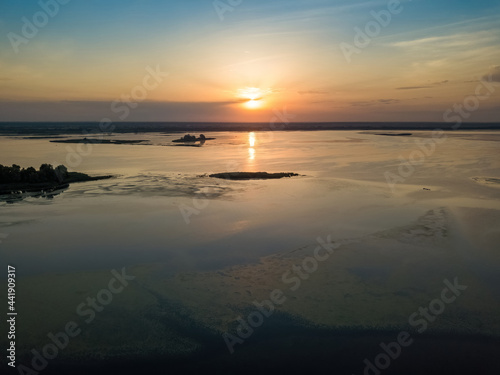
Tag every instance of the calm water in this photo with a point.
(160, 208)
(136, 216)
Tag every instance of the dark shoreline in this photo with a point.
(48, 187)
(58, 128)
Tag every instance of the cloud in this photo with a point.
(441, 83)
(422, 41)
(459, 40)
(313, 92)
(11, 110)
(414, 87)
(375, 102)
(433, 85)
(252, 93)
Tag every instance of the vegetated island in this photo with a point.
(25, 180)
(103, 141)
(253, 175)
(188, 138)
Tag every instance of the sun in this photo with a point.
(253, 104)
(254, 96)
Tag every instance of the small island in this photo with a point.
(253, 175)
(395, 134)
(103, 141)
(188, 138)
(15, 179)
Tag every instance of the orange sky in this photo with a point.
(251, 62)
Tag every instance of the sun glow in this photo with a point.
(254, 96)
(253, 104)
(252, 93)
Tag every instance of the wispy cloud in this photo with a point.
(431, 86)
(423, 41)
(413, 87)
(375, 102)
(459, 40)
(313, 92)
(467, 26)
(308, 9)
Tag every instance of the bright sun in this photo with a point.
(253, 95)
(253, 104)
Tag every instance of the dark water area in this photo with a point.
(56, 128)
(286, 344)
(280, 347)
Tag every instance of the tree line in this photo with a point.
(46, 173)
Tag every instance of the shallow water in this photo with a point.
(342, 192)
(163, 218)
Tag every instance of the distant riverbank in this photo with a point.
(57, 128)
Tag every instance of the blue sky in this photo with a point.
(91, 53)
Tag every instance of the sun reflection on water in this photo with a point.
(251, 143)
(251, 139)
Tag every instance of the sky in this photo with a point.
(250, 60)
